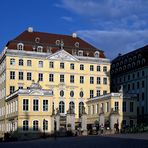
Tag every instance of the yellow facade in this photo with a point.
(56, 86)
(110, 104)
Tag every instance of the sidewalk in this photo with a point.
(143, 136)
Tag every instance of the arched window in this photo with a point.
(45, 125)
(81, 94)
(20, 46)
(25, 125)
(143, 61)
(96, 54)
(81, 107)
(21, 62)
(40, 49)
(35, 125)
(61, 93)
(62, 107)
(71, 93)
(72, 105)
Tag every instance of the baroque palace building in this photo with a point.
(131, 71)
(68, 69)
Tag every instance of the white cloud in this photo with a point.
(67, 18)
(114, 42)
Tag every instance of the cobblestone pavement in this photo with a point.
(80, 142)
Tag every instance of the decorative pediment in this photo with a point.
(62, 55)
(36, 93)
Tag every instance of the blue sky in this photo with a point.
(115, 26)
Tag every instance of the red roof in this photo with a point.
(49, 39)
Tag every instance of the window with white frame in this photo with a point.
(72, 80)
(98, 68)
(72, 93)
(40, 49)
(51, 64)
(21, 75)
(25, 125)
(12, 61)
(20, 46)
(29, 63)
(91, 67)
(105, 81)
(29, 76)
(72, 66)
(45, 105)
(21, 62)
(51, 77)
(62, 107)
(116, 106)
(98, 80)
(12, 75)
(61, 65)
(12, 89)
(81, 67)
(104, 68)
(91, 80)
(35, 125)
(25, 104)
(62, 93)
(72, 105)
(61, 78)
(91, 93)
(40, 77)
(35, 105)
(45, 125)
(81, 79)
(40, 64)
(98, 93)
(81, 94)
(80, 52)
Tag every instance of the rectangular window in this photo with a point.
(98, 68)
(12, 61)
(133, 86)
(61, 65)
(51, 64)
(21, 62)
(98, 80)
(131, 106)
(29, 63)
(142, 84)
(72, 66)
(124, 107)
(142, 96)
(35, 105)
(105, 81)
(137, 85)
(91, 67)
(12, 75)
(40, 64)
(21, 75)
(29, 76)
(12, 89)
(116, 106)
(97, 108)
(91, 80)
(104, 92)
(40, 77)
(81, 79)
(25, 104)
(104, 68)
(81, 67)
(61, 78)
(93, 109)
(98, 93)
(91, 93)
(72, 79)
(45, 105)
(51, 77)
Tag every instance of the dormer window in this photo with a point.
(57, 42)
(77, 44)
(80, 52)
(20, 46)
(96, 54)
(40, 49)
(37, 39)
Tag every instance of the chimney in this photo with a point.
(30, 29)
(74, 35)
